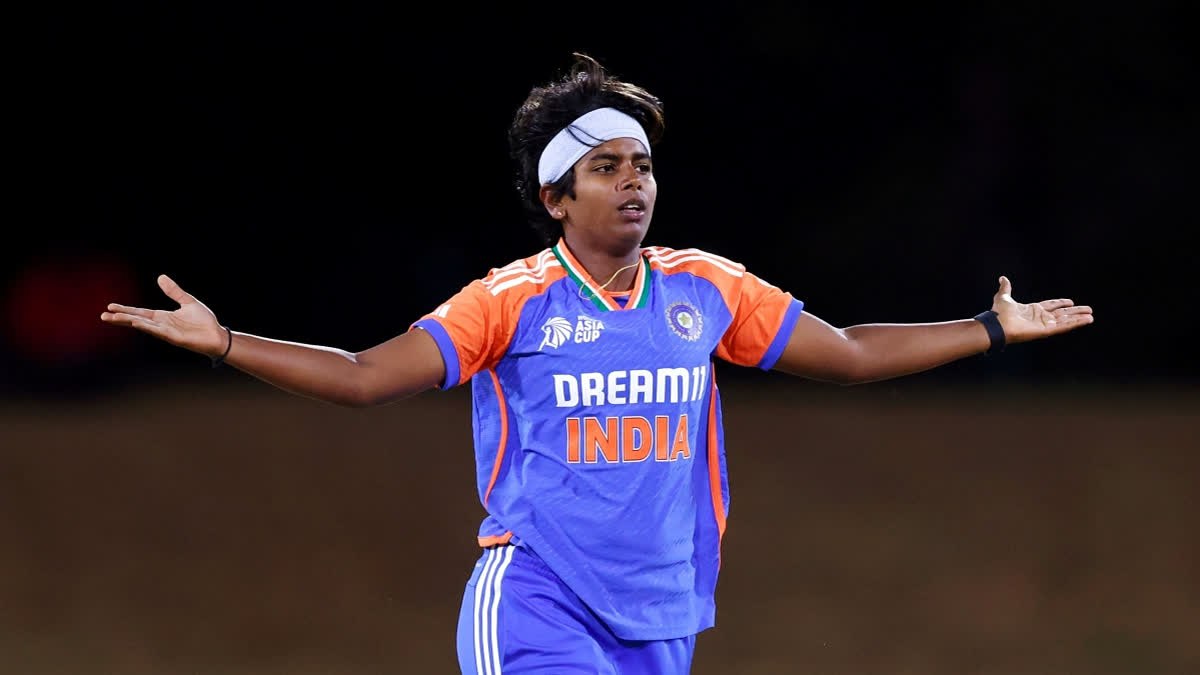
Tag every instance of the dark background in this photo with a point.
(329, 174)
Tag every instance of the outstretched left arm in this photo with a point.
(872, 352)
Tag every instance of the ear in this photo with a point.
(552, 202)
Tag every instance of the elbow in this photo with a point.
(861, 373)
(348, 399)
(359, 394)
(366, 387)
(842, 367)
(857, 368)
(363, 397)
(371, 392)
(356, 403)
(845, 360)
(850, 379)
(834, 373)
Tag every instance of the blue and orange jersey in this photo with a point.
(597, 420)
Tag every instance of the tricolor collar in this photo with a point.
(590, 290)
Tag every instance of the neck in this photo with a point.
(601, 263)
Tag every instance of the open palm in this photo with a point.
(193, 326)
(1023, 322)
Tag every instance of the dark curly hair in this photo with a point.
(549, 109)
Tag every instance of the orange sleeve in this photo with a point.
(763, 319)
(472, 330)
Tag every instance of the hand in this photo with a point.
(1022, 323)
(193, 326)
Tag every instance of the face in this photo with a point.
(614, 196)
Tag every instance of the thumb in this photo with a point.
(173, 290)
(1005, 286)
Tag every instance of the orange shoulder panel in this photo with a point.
(481, 319)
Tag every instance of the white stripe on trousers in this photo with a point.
(487, 659)
(479, 584)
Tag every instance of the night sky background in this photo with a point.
(328, 175)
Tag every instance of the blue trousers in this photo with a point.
(518, 617)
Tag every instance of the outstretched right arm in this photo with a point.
(403, 366)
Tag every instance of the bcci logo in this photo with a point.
(685, 320)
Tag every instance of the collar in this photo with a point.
(589, 289)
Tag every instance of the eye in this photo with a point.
(604, 168)
(644, 168)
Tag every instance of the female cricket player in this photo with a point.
(600, 458)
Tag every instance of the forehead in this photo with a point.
(622, 147)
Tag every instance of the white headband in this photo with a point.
(580, 136)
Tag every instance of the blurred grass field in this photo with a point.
(236, 529)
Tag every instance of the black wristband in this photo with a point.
(216, 361)
(994, 330)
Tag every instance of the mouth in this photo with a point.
(633, 208)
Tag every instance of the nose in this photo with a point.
(631, 179)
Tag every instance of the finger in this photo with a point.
(120, 318)
(1055, 304)
(133, 321)
(1068, 312)
(173, 290)
(136, 311)
(1005, 286)
(1071, 323)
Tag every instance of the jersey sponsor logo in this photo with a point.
(588, 329)
(685, 320)
(627, 439)
(631, 387)
(557, 331)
